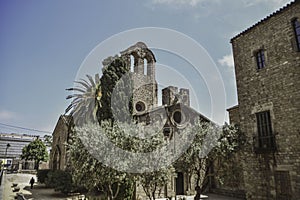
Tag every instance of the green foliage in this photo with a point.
(90, 173)
(153, 181)
(229, 172)
(211, 143)
(35, 150)
(127, 189)
(42, 175)
(48, 140)
(93, 101)
(60, 181)
(92, 105)
(111, 75)
(225, 156)
(231, 140)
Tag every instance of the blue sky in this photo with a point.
(43, 43)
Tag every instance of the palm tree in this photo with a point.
(86, 103)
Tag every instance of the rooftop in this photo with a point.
(266, 18)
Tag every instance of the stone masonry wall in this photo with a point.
(58, 156)
(145, 85)
(276, 87)
(234, 116)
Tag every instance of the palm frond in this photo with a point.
(97, 79)
(85, 84)
(86, 102)
(91, 80)
(76, 89)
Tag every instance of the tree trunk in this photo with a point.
(198, 192)
(117, 192)
(198, 188)
(153, 192)
(111, 195)
(36, 164)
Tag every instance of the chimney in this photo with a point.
(168, 95)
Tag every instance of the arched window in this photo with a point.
(145, 66)
(296, 26)
(131, 63)
(56, 158)
(260, 59)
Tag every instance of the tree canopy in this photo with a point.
(35, 150)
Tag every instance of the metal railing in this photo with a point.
(264, 144)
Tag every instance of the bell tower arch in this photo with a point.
(145, 85)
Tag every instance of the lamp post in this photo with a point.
(7, 146)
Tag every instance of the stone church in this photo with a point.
(174, 109)
(267, 68)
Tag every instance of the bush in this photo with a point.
(127, 190)
(60, 181)
(42, 175)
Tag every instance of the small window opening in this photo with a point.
(131, 63)
(260, 59)
(145, 66)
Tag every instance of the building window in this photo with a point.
(167, 131)
(260, 59)
(283, 185)
(265, 140)
(140, 106)
(177, 117)
(296, 25)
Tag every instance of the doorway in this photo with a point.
(179, 184)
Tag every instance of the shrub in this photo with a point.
(60, 181)
(42, 175)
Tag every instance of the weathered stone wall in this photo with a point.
(145, 91)
(234, 116)
(58, 156)
(276, 87)
(171, 95)
(145, 86)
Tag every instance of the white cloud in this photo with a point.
(178, 2)
(7, 115)
(185, 3)
(271, 3)
(227, 60)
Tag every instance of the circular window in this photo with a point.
(140, 106)
(177, 117)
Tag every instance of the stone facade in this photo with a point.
(234, 117)
(175, 113)
(145, 85)
(61, 134)
(268, 89)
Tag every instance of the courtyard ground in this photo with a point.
(40, 192)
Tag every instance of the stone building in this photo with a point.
(175, 112)
(267, 68)
(61, 134)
